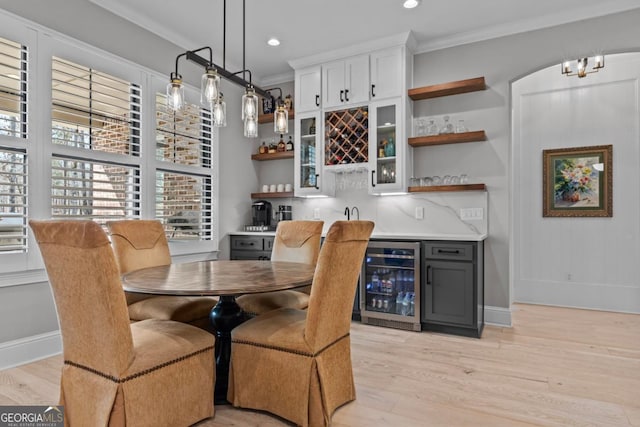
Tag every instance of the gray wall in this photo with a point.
(502, 61)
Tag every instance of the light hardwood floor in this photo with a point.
(555, 367)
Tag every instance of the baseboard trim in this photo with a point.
(497, 316)
(29, 349)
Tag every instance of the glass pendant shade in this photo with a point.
(281, 120)
(175, 92)
(582, 67)
(249, 105)
(209, 87)
(219, 112)
(251, 127)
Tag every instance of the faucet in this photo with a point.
(357, 212)
(348, 212)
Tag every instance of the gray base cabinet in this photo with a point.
(453, 287)
(251, 247)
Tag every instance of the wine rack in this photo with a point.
(347, 136)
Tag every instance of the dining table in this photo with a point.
(226, 279)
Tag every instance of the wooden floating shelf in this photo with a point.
(273, 156)
(445, 89)
(268, 118)
(281, 195)
(456, 187)
(448, 138)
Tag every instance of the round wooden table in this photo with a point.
(226, 279)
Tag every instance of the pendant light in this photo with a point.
(175, 92)
(209, 87)
(251, 127)
(249, 103)
(281, 120)
(219, 112)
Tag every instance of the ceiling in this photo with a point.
(308, 27)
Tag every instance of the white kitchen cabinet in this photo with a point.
(307, 89)
(310, 179)
(345, 82)
(387, 78)
(389, 155)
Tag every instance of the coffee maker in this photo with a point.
(261, 213)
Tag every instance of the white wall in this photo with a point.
(578, 262)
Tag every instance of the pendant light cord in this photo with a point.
(244, 67)
(224, 35)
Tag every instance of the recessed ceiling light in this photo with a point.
(410, 4)
(273, 42)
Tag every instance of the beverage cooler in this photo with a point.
(390, 285)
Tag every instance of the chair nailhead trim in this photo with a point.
(288, 350)
(137, 374)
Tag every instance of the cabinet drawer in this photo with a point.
(247, 243)
(449, 250)
(251, 255)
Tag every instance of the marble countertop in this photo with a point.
(390, 236)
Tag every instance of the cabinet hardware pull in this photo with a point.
(444, 251)
(428, 274)
(373, 174)
(346, 95)
(317, 178)
(341, 96)
(373, 95)
(317, 100)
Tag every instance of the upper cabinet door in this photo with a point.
(357, 79)
(307, 84)
(345, 82)
(386, 74)
(333, 84)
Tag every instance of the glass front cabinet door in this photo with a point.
(308, 177)
(387, 148)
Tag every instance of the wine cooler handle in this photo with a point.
(373, 94)
(373, 174)
(317, 100)
(342, 96)
(317, 177)
(428, 274)
(346, 95)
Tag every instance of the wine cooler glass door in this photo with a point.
(390, 282)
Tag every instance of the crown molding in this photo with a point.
(402, 39)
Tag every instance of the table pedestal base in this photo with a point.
(225, 316)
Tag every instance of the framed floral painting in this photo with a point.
(577, 181)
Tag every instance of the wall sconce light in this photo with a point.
(581, 66)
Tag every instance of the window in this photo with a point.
(13, 89)
(13, 201)
(93, 112)
(183, 181)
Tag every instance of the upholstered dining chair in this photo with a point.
(140, 244)
(297, 363)
(117, 373)
(295, 241)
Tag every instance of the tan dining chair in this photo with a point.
(117, 373)
(297, 363)
(295, 241)
(140, 244)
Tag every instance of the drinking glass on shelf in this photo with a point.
(425, 181)
(455, 180)
(446, 180)
(464, 179)
(436, 180)
(432, 129)
(447, 127)
(460, 127)
(421, 128)
(414, 181)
